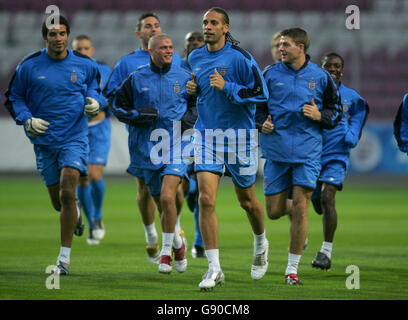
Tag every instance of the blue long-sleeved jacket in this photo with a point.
(165, 89)
(296, 138)
(105, 72)
(234, 107)
(128, 64)
(401, 125)
(185, 65)
(338, 141)
(55, 91)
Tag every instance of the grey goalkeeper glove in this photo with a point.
(92, 108)
(36, 127)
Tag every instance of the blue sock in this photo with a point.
(198, 240)
(84, 195)
(98, 194)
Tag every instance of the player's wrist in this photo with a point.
(226, 87)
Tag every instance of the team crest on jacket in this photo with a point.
(312, 84)
(74, 76)
(176, 88)
(345, 106)
(223, 71)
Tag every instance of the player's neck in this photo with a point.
(57, 55)
(298, 63)
(216, 46)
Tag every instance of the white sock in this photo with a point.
(213, 259)
(327, 248)
(64, 254)
(293, 262)
(151, 234)
(177, 227)
(259, 242)
(177, 241)
(167, 240)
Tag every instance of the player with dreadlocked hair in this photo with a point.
(228, 84)
(228, 36)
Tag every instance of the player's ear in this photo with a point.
(226, 28)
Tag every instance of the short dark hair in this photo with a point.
(62, 20)
(298, 35)
(144, 16)
(332, 54)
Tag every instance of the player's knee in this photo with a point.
(300, 205)
(167, 199)
(206, 202)
(66, 196)
(274, 215)
(247, 205)
(95, 176)
(274, 212)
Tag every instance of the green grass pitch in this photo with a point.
(372, 234)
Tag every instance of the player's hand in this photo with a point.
(311, 111)
(36, 127)
(192, 85)
(92, 108)
(216, 80)
(267, 126)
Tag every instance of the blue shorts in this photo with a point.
(154, 178)
(50, 160)
(279, 176)
(99, 137)
(333, 172)
(136, 172)
(190, 168)
(243, 171)
(234, 171)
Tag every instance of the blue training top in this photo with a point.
(234, 107)
(128, 64)
(55, 91)
(338, 141)
(165, 89)
(296, 138)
